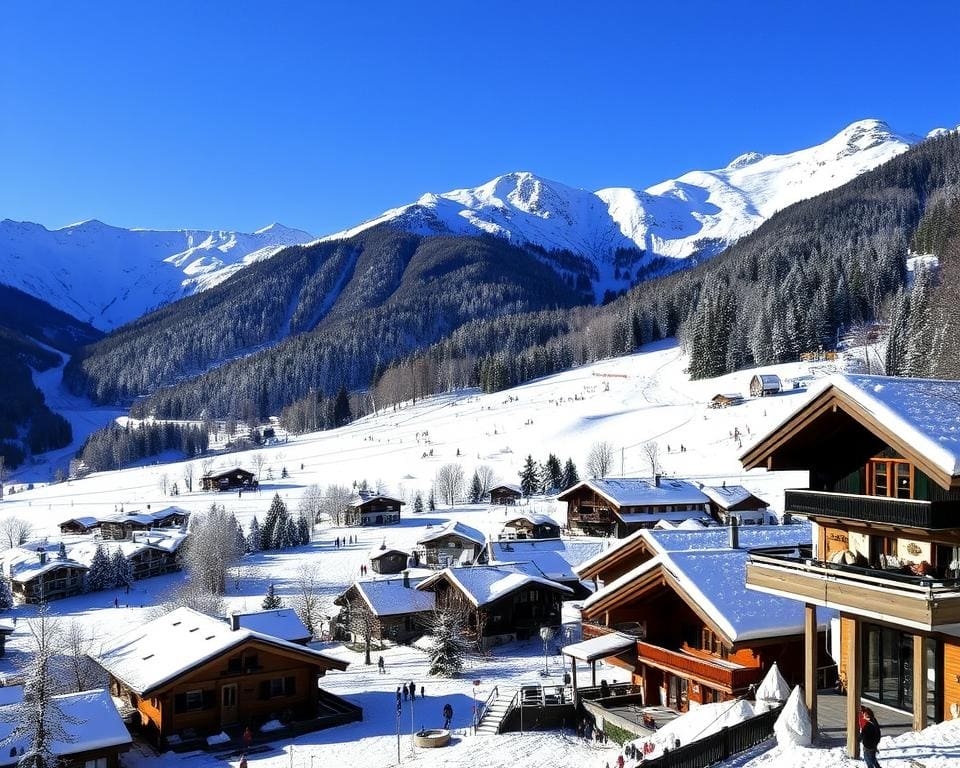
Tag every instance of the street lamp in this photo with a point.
(546, 634)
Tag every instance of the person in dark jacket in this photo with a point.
(447, 715)
(869, 737)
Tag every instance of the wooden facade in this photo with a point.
(763, 384)
(523, 527)
(449, 550)
(505, 494)
(79, 525)
(373, 510)
(248, 685)
(886, 553)
(62, 579)
(597, 514)
(388, 561)
(358, 623)
(226, 481)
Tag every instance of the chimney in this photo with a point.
(234, 622)
(406, 579)
(43, 558)
(734, 533)
(656, 479)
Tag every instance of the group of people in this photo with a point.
(408, 691)
(363, 572)
(342, 542)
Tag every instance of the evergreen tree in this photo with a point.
(919, 334)
(272, 601)
(100, 575)
(897, 341)
(6, 594)
(554, 473)
(271, 535)
(303, 529)
(447, 646)
(291, 533)
(570, 475)
(122, 569)
(418, 504)
(476, 489)
(341, 408)
(253, 537)
(529, 477)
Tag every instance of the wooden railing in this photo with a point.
(734, 678)
(908, 513)
(719, 746)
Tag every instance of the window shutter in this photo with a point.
(208, 700)
(289, 686)
(264, 689)
(180, 702)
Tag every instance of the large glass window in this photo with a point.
(888, 669)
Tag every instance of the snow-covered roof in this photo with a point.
(7, 626)
(22, 564)
(388, 597)
(554, 558)
(674, 516)
(454, 528)
(365, 497)
(714, 580)
(726, 496)
(600, 647)
(768, 379)
(90, 721)
(508, 487)
(85, 521)
(536, 518)
(158, 652)
(281, 622)
(383, 549)
(638, 491)
(484, 584)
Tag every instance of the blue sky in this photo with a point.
(235, 114)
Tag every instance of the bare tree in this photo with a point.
(335, 502)
(77, 643)
(164, 482)
(211, 549)
(360, 621)
(258, 461)
(308, 601)
(652, 453)
(311, 503)
(206, 466)
(600, 459)
(487, 476)
(450, 483)
(188, 470)
(14, 531)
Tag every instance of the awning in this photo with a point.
(613, 644)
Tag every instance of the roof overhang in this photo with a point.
(602, 647)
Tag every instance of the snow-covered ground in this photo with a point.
(626, 401)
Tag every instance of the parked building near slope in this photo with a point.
(123, 525)
(618, 506)
(388, 560)
(507, 494)
(450, 544)
(734, 502)
(381, 611)
(682, 621)
(763, 384)
(498, 603)
(39, 573)
(530, 525)
(368, 508)
(231, 480)
(554, 559)
(277, 622)
(80, 525)
(189, 675)
(883, 457)
(92, 732)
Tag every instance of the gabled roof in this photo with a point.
(90, 722)
(22, 564)
(451, 528)
(484, 584)
(536, 518)
(362, 498)
(712, 583)
(727, 496)
(227, 472)
(280, 622)
(919, 418)
(388, 597)
(159, 652)
(507, 487)
(554, 558)
(383, 550)
(86, 521)
(638, 491)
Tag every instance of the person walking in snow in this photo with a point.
(382, 666)
(413, 691)
(869, 737)
(406, 692)
(447, 715)
(398, 698)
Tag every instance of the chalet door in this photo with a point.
(229, 714)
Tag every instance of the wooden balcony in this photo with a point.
(914, 601)
(593, 629)
(718, 674)
(881, 510)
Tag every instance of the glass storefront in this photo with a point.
(888, 669)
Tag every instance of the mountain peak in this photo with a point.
(747, 158)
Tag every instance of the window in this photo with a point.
(100, 762)
(234, 664)
(890, 478)
(278, 686)
(251, 661)
(193, 701)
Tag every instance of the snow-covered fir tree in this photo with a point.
(418, 504)
(100, 575)
(6, 594)
(275, 524)
(554, 479)
(253, 537)
(447, 646)
(303, 529)
(272, 601)
(570, 475)
(122, 569)
(241, 540)
(529, 477)
(476, 489)
(291, 534)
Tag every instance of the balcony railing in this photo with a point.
(907, 513)
(593, 629)
(721, 675)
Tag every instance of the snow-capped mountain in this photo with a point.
(699, 212)
(108, 276)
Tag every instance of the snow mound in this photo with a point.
(271, 725)
(218, 738)
(697, 723)
(793, 727)
(773, 690)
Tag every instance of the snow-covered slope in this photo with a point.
(108, 276)
(698, 212)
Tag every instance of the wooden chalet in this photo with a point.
(6, 629)
(499, 603)
(125, 526)
(388, 560)
(554, 559)
(367, 508)
(734, 502)
(150, 553)
(95, 735)
(381, 611)
(79, 525)
(722, 400)
(763, 384)
(688, 629)
(883, 458)
(42, 573)
(230, 480)
(506, 494)
(189, 675)
(451, 544)
(530, 526)
(618, 506)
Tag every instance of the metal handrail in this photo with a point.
(486, 704)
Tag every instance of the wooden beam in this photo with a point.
(919, 683)
(854, 688)
(811, 662)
